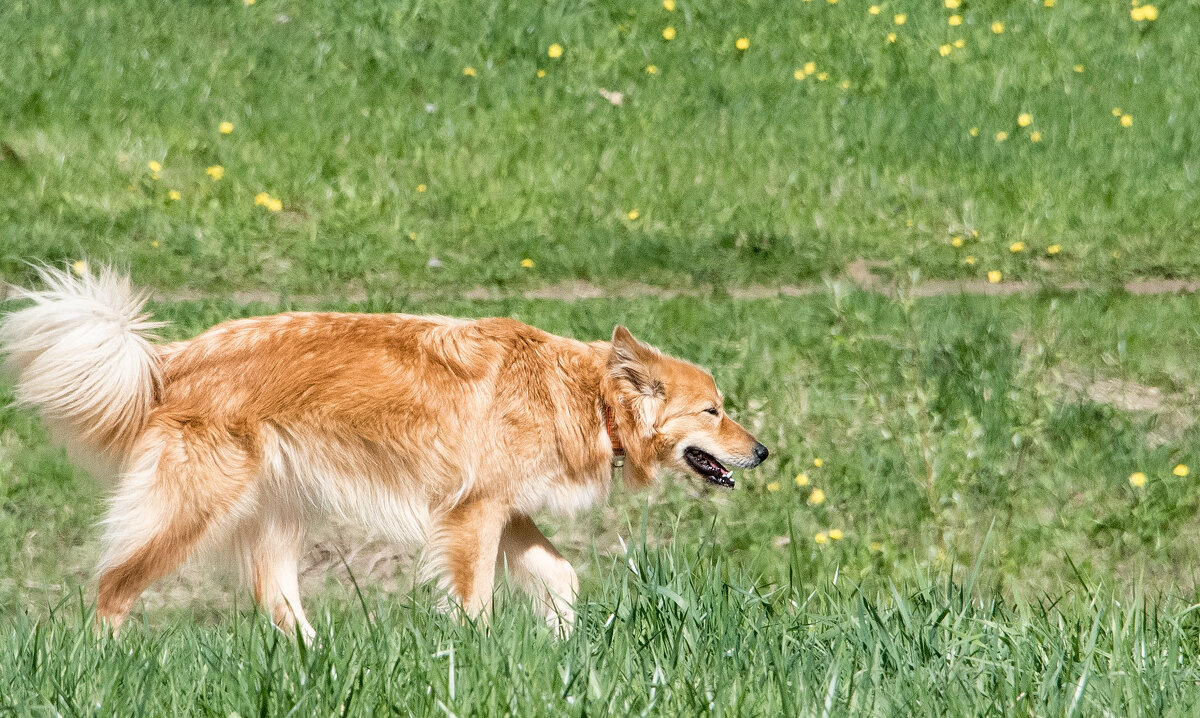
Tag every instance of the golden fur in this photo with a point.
(427, 430)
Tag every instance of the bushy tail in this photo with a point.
(82, 356)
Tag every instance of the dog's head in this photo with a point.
(669, 415)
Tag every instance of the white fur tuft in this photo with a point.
(82, 356)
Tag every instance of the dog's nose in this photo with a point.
(761, 453)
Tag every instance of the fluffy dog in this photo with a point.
(428, 430)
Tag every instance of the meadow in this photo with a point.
(977, 503)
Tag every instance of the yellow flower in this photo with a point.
(1024, 119)
(1126, 120)
(956, 241)
(1137, 479)
(1048, 3)
(798, 73)
(802, 479)
(541, 73)
(954, 20)
(80, 267)
(527, 263)
(874, 9)
(821, 537)
(274, 205)
(845, 84)
(555, 51)
(1001, 136)
(154, 243)
(1180, 469)
(248, 2)
(900, 19)
(216, 172)
(953, 4)
(818, 462)
(835, 534)
(891, 37)
(832, 2)
(974, 132)
(822, 76)
(1116, 113)
(877, 546)
(773, 486)
(969, 261)
(810, 67)
(668, 33)
(1035, 136)
(1016, 247)
(1078, 68)
(261, 199)
(421, 187)
(960, 43)
(743, 43)
(225, 128)
(652, 69)
(998, 27)
(1054, 249)
(669, 5)
(1149, 13)
(412, 236)
(944, 50)
(817, 497)
(468, 71)
(633, 214)
(154, 166)
(995, 276)
(174, 195)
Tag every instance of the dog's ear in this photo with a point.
(633, 366)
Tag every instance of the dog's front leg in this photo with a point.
(471, 535)
(541, 570)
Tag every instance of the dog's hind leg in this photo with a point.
(540, 569)
(183, 480)
(271, 549)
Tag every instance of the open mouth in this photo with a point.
(708, 467)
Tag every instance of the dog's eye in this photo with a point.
(711, 410)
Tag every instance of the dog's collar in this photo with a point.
(618, 457)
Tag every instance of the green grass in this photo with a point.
(975, 456)
(740, 172)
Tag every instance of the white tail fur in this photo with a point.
(82, 356)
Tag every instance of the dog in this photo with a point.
(430, 431)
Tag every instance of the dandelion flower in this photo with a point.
(1126, 120)
(412, 236)
(1016, 247)
(995, 276)
(877, 546)
(1137, 479)
(1001, 136)
(822, 76)
(541, 73)
(798, 73)
(1024, 119)
(891, 37)
(835, 534)
(1035, 136)
(944, 50)
(247, 3)
(1180, 469)
(274, 205)
(174, 195)
(80, 268)
(1116, 112)
(1149, 13)
(668, 33)
(954, 20)
(1054, 249)
(900, 19)
(154, 243)
(468, 71)
(998, 27)
(773, 486)
(956, 241)
(527, 263)
(969, 261)
(821, 537)
(633, 214)
(810, 68)
(1078, 68)
(669, 5)
(960, 43)
(154, 166)
(1048, 3)
(818, 462)
(555, 51)
(953, 4)
(802, 479)
(845, 84)
(216, 172)
(743, 43)
(225, 127)
(874, 10)
(261, 199)
(421, 187)
(652, 69)
(974, 132)
(817, 497)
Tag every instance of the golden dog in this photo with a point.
(428, 430)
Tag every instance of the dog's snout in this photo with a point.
(761, 453)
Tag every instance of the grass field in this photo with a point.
(975, 504)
